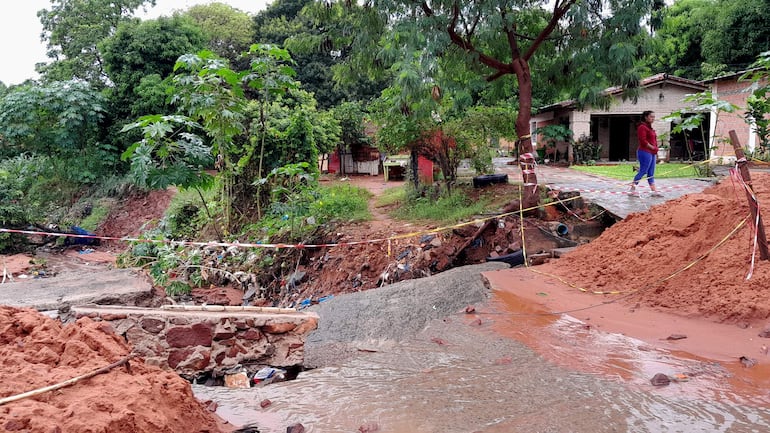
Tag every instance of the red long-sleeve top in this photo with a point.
(648, 139)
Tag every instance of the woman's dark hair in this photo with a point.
(645, 114)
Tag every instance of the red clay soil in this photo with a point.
(636, 255)
(414, 253)
(135, 214)
(36, 351)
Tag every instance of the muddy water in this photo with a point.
(458, 376)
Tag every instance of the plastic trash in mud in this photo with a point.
(268, 375)
(309, 301)
(81, 240)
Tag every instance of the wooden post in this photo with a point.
(753, 204)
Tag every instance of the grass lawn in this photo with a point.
(626, 172)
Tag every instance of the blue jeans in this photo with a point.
(646, 166)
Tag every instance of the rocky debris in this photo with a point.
(674, 337)
(747, 362)
(660, 379)
(765, 333)
(295, 428)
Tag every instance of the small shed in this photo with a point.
(615, 128)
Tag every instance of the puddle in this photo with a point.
(487, 379)
(577, 345)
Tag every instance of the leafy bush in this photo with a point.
(448, 208)
(341, 202)
(586, 151)
(98, 213)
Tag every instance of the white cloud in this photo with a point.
(20, 31)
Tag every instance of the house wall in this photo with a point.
(735, 92)
(650, 99)
(662, 99)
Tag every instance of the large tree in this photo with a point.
(138, 55)
(229, 31)
(284, 24)
(678, 40)
(700, 39)
(597, 43)
(59, 120)
(740, 32)
(73, 30)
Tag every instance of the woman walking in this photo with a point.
(646, 154)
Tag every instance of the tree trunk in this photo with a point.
(526, 151)
(415, 169)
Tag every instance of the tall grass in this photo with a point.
(445, 209)
(341, 202)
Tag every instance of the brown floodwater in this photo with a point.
(519, 371)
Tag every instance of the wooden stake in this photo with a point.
(68, 382)
(753, 203)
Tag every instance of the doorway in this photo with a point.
(619, 133)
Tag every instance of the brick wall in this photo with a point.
(735, 92)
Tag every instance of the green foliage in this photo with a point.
(168, 153)
(186, 217)
(449, 208)
(739, 32)
(351, 116)
(481, 160)
(586, 151)
(689, 119)
(341, 203)
(59, 119)
(701, 39)
(73, 31)
(228, 30)
(626, 171)
(677, 42)
(758, 103)
(284, 23)
(300, 205)
(391, 196)
(30, 188)
(476, 129)
(98, 213)
(292, 190)
(554, 133)
(138, 54)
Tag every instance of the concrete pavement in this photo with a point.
(611, 194)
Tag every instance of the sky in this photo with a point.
(20, 31)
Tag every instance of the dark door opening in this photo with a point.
(691, 144)
(619, 129)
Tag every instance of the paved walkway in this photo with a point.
(611, 194)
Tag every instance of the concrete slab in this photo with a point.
(114, 286)
(611, 194)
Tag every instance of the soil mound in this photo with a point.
(36, 351)
(640, 257)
